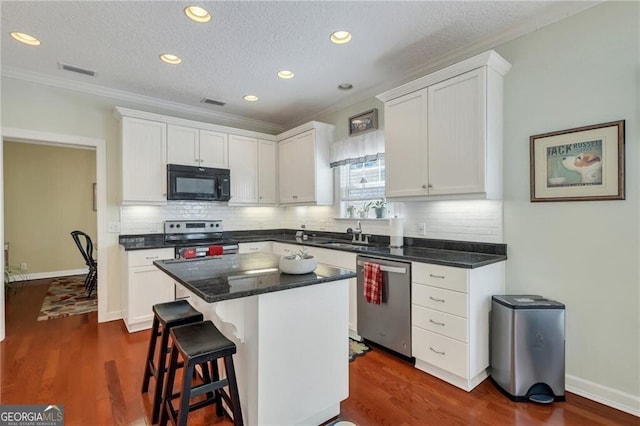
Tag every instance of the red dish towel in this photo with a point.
(215, 250)
(372, 283)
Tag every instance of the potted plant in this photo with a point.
(351, 211)
(364, 210)
(380, 207)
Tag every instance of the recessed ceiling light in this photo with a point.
(345, 86)
(197, 14)
(285, 74)
(341, 37)
(25, 38)
(170, 59)
(250, 98)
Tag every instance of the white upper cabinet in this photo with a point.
(267, 172)
(243, 163)
(144, 161)
(406, 145)
(456, 127)
(443, 132)
(195, 147)
(305, 177)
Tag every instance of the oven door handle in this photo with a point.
(392, 269)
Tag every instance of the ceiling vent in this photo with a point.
(213, 102)
(77, 70)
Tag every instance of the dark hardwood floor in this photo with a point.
(95, 371)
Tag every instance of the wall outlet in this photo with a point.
(422, 228)
(323, 225)
(23, 266)
(113, 227)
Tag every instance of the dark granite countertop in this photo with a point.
(227, 277)
(459, 254)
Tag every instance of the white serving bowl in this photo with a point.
(298, 265)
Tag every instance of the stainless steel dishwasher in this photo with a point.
(387, 324)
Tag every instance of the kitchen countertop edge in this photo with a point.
(304, 280)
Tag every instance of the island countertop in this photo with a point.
(218, 278)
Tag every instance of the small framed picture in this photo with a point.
(362, 123)
(581, 164)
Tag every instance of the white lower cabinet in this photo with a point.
(144, 285)
(450, 320)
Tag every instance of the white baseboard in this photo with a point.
(604, 395)
(39, 275)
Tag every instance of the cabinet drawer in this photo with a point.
(440, 322)
(146, 257)
(443, 352)
(440, 276)
(257, 247)
(450, 302)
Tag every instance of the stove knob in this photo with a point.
(178, 226)
(171, 226)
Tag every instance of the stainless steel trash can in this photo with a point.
(527, 347)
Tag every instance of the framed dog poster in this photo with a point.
(581, 164)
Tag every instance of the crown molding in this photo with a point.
(123, 96)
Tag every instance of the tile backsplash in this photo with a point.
(464, 220)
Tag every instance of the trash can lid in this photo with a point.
(527, 301)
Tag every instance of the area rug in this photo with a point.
(67, 296)
(357, 349)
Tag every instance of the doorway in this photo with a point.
(62, 140)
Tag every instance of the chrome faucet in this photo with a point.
(357, 234)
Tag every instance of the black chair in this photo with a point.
(86, 249)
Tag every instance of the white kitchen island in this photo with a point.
(291, 332)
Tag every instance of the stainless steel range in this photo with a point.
(198, 238)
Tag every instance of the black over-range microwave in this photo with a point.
(198, 183)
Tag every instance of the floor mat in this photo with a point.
(357, 349)
(67, 296)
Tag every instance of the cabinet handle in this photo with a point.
(151, 257)
(437, 276)
(438, 352)
(182, 298)
(430, 186)
(435, 322)
(424, 186)
(295, 196)
(260, 197)
(435, 299)
(253, 248)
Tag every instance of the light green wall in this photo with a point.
(42, 108)
(48, 192)
(580, 71)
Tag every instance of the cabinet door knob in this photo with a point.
(424, 186)
(430, 186)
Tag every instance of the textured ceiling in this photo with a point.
(246, 43)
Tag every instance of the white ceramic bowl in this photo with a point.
(291, 265)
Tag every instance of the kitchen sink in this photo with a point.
(340, 244)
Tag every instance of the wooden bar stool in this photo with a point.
(200, 344)
(165, 316)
